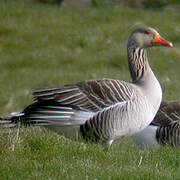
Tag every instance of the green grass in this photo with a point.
(45, 46)
(34, 154)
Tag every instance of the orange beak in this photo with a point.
(159, 41)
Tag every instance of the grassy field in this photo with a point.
(44, 46)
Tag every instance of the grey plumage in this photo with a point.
(164, 129)
(102, 110)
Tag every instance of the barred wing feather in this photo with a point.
(46, 113)
(168, 112)
(105, 124)
(89, 95)
(169, 134)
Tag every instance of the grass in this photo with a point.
(45, 46)
(38, 155)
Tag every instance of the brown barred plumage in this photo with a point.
(169, 134)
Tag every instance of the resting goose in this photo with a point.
(164, 129)
(102, 110)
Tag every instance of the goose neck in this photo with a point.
(143, 77)
(138, 63)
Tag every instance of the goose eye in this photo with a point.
(148, 32)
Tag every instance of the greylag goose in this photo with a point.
(164, 129)
(102, 110)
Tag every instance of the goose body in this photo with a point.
(102, 110)
(146, 139)
(164, 129)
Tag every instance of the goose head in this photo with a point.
(147, 37)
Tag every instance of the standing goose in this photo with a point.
(164, 129)
(102, 110)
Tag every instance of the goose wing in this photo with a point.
(168, 112)
(107, 124)
(91, 95)
(169, 134)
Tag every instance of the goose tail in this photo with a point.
(13, 120)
